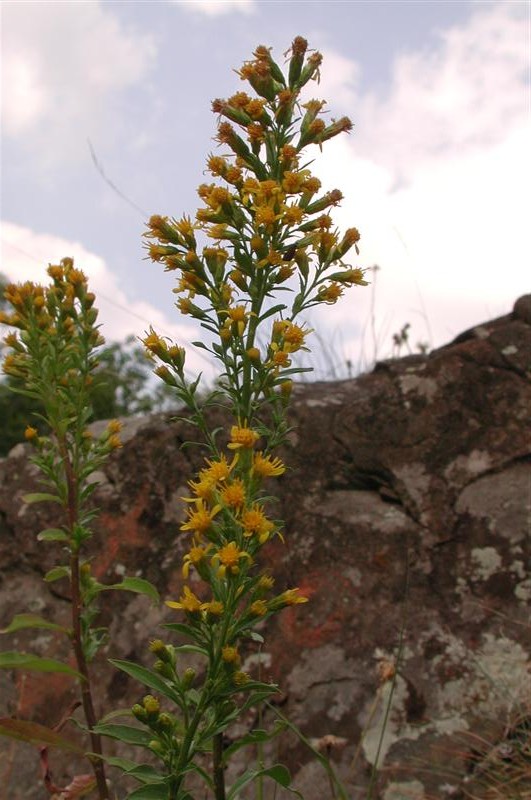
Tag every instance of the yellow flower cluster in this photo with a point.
(56, 327)
(223, 505)
(268, 220)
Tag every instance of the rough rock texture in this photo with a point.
(407, 511)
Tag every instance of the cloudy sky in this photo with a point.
(436, 174)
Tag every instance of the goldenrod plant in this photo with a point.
(258, 254)
(52, 348)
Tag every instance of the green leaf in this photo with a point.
(114, 761)
(125, 733)
(22, 621)
(138, 585)
(252, 738)
(151, 791)
(36, 734)
(147, 678)
(52, 535)
(40, 497)
(144, 773)
(26, 661)
(118, 712)
(278, 773)
(202, 346)
(179, 627)
(271, 311)
(56, 574)
(191, 648)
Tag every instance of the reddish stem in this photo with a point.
(77, 644)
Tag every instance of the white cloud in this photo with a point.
(215, 8)
(464, 94)
(437, 177)
(62, 66)
(26, 256)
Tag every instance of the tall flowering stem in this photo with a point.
(52, 353)
(273, 253)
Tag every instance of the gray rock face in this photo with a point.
(407, 508)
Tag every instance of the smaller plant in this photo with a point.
(52, 354)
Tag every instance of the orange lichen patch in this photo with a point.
(122, 533)
(42, 695)
(296, 622)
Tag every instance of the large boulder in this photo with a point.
(407, 509)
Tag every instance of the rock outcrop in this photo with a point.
(407, 509)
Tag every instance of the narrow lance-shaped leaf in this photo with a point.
(36, 734)
(52, 535)
(26, 661)
(137, 585)
(22, 621)
(56, 574)
(146, 677)
(125, 733)
(40, 497)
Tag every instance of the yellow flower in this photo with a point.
(188, 602)
(353, 276)
(292, 182)
(154, 343)
(202, 488)
(265, 215)
(229, 557)
(258, 608)
(230, 655)
(237, 319)
(114, 426)
(214, 607)
(266, 466)
(280, 359)
(266, 582)
(294, 337)
(330, 294)
(193, 558)
(292, 215)
(200, 520)
(218, 470)
(291, 597)
(233, 495)
(241, 436)
(254, 521)
(240, 678)
(30, 433)
(217, 165)
(56, 272)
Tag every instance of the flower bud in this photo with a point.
(165, 721)
(311, 69)
(163, 669)
(298, 50)
(188, 678)
(139, 712)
